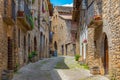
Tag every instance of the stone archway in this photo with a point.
(29, 44)
(55, 45)
(10, 48)
(25, 55)
(105, 54)
(10, 51)
(41, 42)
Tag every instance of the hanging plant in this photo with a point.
(32, 55)
(33, 1)
(31, 20)
(35, 18)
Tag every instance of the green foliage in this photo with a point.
(35, 18)
(31, 22)
(85, 66)
(33, 1)
(77, 56)
(16, 67)
(32, 54)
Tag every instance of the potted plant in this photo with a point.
(30, 56)
(77, 56)
(34, 53)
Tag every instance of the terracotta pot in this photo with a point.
(97, 17)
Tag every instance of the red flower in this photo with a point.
(85, 41)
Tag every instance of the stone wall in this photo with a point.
(62, 33)
(91, 47)
(111, 23)
(96, 39)
(3, 41)
(19, 54)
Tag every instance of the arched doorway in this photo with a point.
(10, 51)
(44, 47)
(62, 49)
(55, 45)
(106, 56)
(41, 42)
(25, 55)
(10, 63)
(35, 44)
(28, 43)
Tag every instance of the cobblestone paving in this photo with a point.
(59, 68)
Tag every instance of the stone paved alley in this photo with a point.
(35, 30)
(58, 68)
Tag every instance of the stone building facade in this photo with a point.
(3, 40)
(44, 27)
(83, 30)
(61, 28)
(103, 49)
(20, 32)
(75, 26)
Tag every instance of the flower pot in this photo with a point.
(97, 17)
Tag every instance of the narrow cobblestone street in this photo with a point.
(59, 39)
(58, 68)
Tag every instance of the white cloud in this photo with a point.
(69, 5)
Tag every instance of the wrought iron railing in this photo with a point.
(24, 12)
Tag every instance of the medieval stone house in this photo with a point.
(21, 25)
(101, 18)
(61, 27)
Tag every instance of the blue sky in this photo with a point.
(61, 2)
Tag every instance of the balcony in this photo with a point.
(96, 21)
(25, 18)
(95, 16)
(9, 15)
